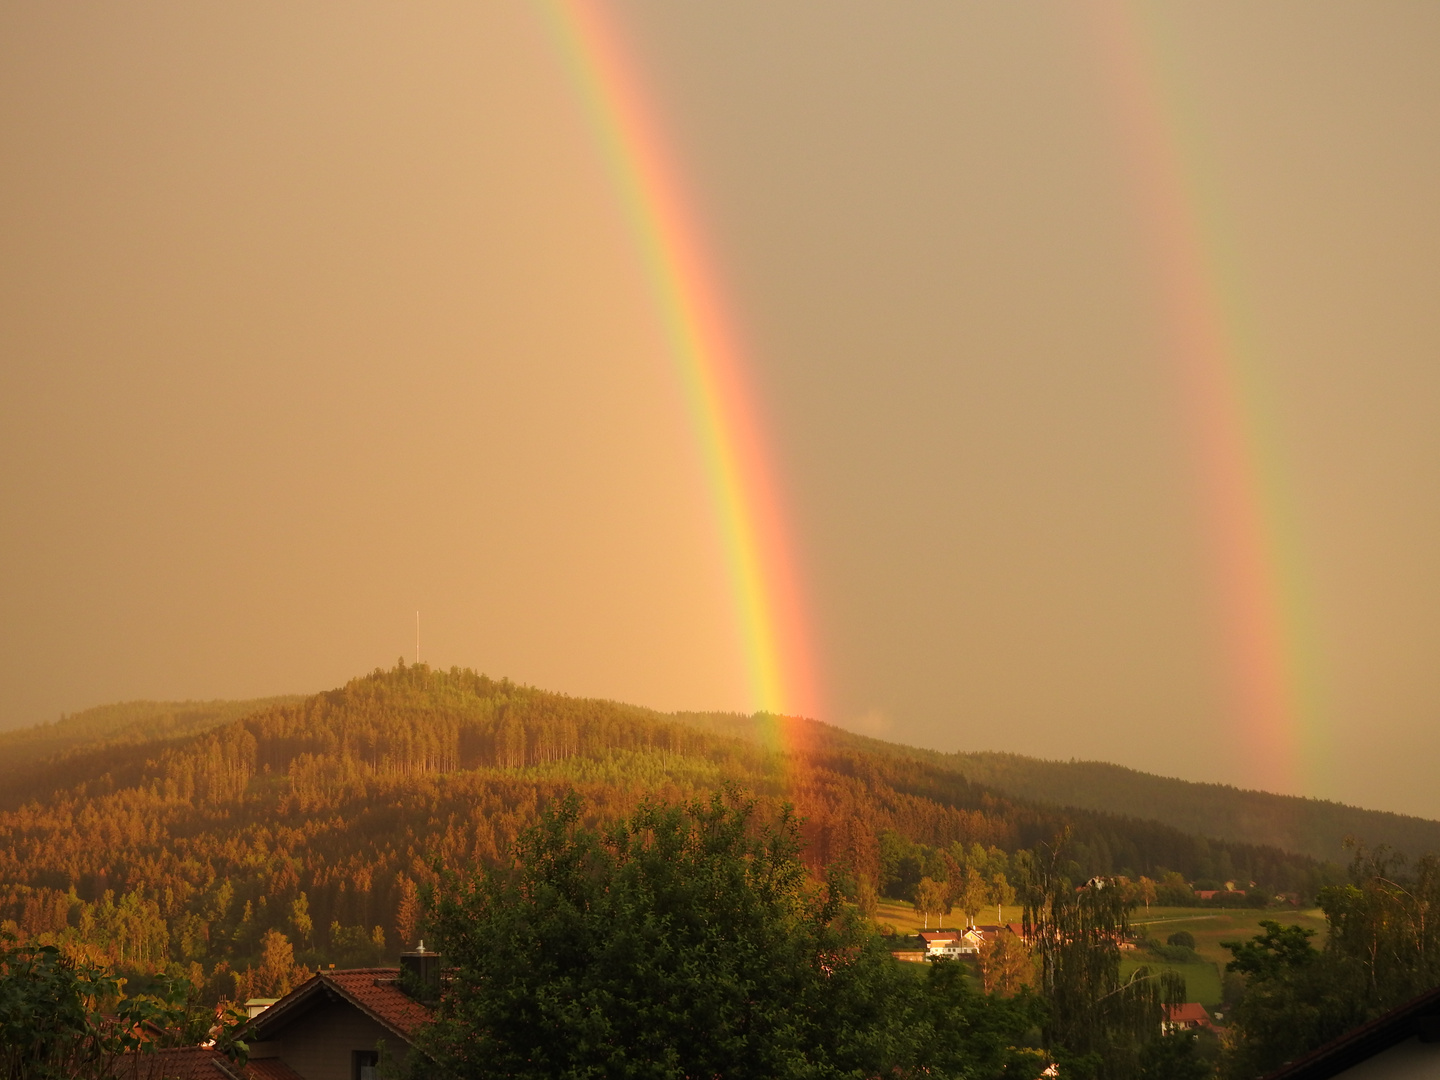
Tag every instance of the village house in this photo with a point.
(951, 944)
(943, 944)
(1190, 1016)
(331, 1026)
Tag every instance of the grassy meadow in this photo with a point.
(906, 920)
(1210, 926)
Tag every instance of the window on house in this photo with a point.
(366, 1065)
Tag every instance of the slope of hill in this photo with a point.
(1313, 827)
(319, 818)
(126, 723)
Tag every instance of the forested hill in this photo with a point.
(318, 819)
(1313, 827)
(94, 732)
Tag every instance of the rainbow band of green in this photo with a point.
(709, 366)
(1258, 577)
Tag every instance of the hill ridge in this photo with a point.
(40, 760)
(320, 818)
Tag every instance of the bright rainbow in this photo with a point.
(710, 366)
(1258, 581)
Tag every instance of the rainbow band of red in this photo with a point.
(1257, 576)
(710, 366)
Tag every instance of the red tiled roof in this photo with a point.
(199, 1063)
(377, 991)
(180, 1063)
(374, 991)
(270, 1069)
(1190, 1012)
(939, 935)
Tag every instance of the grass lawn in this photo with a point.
(1210, 926)
(906, 920)
(1214, 925)
(1202, 980)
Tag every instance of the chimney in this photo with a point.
(420, 969)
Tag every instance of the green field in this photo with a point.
(906, 920)
(1209, 925)
(1212, 926)
(1202, 980)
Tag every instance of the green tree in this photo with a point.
(300, 918)
(1099, 1023)
(972, 1036)
(1295, 999)
(1005, 964)
(1146, 893)
(1176, 1056)
(1383, 948)
(407, 911)
(929, 898)
(1385, 924)
(1001, 892)
(683, 941)
(64, 1018)
(971, 894)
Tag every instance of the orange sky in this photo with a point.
(311, 317)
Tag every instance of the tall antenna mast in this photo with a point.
(417, 637)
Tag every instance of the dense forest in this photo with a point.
(1314, 827)
(303, 832)
(101, 730)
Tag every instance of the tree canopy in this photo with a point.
(685, 941)
(1383, 948)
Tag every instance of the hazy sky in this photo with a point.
(313, 316)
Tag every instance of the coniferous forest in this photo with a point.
(224, 850)
(304, 832)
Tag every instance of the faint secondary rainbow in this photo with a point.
(1251, 527)
(707, 360)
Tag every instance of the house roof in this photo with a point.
(374, 991)
(269, 1069)
(1189, 1012)
(198, 1063)
(1418, 1016)
(934, 936)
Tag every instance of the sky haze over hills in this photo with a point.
(311, 318)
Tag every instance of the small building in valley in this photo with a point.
(944, 944)
(1190, 1016)
(330, 1027)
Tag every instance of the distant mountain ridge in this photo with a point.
(1314, 827)
(319, 819)
(125, 723)
(1305, 826)
(47, 757)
